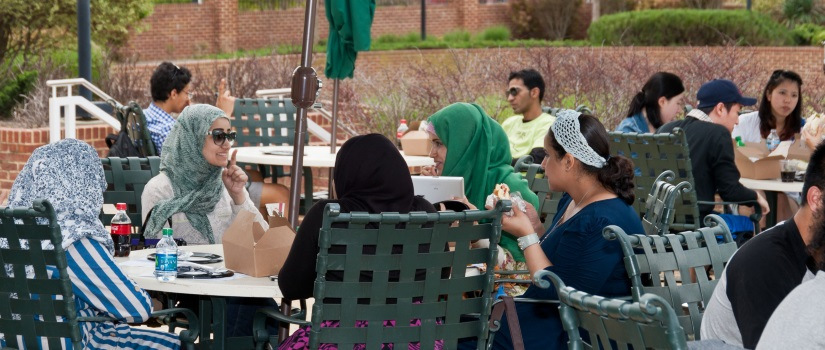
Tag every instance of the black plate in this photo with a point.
(198, 273)
(199, 258)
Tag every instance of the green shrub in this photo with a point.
(495, 33)
(459, 35)
(802, 11)
(68, 58)
(688, 27)
(13, 90)
(818, 38)
(388, 38)
(411, 37)
(804, 34)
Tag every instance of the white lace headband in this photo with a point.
(567, 131)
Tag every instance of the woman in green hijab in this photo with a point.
(468, 143)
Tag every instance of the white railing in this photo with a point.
(70, 102)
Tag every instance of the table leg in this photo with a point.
(771, 198)
(205, 306)
(218, 319)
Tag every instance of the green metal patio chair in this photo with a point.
(660, 202)
(647, 323)
(265, 122)
(125, 180)
(43, 308)
(397, 267)
(676, 266)
(653, 154)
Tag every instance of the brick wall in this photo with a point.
(17, 145)
(175, 31)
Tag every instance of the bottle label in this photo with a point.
(121, 229)
(166, 262)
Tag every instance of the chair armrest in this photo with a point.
(512, 279)
(262, 314)
(755, 217)
(259, 333)
(192, 331)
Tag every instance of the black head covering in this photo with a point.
(372, 176)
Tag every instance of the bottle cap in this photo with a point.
(167, 231)
(120, 206)
(403, 121)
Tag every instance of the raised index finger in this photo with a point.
(232, 159)
(222, 87)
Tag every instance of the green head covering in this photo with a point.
(196, 183)
(478, 150)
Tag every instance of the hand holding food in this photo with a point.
(502, 191)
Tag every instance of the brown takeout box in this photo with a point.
(754, 161)
(416, 143)
(250, 250)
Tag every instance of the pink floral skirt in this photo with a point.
(300, 339)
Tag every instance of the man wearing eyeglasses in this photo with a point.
(171, 93)
(526, 129)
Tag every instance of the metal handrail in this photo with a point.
(70, 103)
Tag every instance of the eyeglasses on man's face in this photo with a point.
(219, 136)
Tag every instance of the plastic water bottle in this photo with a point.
(121, 229)
(166, 257)
(772, 140)
(402, 129)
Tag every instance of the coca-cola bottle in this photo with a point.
(121, 231)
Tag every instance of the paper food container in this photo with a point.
(795, 149)
(250, 250)
(416, 143)
(754, 161)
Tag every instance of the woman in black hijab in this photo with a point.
(371, 176)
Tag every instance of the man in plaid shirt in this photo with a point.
(171, 93)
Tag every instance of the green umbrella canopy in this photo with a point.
(349, 32)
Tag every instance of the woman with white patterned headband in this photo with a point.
(598, 191)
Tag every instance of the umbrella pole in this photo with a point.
(333, 142)
(304, 88)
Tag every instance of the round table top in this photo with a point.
(140, 269)
(314, 156)
(772, 185)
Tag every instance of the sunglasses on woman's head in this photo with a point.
(219, 136)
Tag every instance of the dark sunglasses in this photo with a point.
(219, 136)
(513, 91)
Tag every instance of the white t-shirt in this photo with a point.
(748, 128)
(798, 321)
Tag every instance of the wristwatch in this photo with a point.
(526, 241)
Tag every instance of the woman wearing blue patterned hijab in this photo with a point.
(68, 174)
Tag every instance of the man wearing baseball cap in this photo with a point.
(707, 129)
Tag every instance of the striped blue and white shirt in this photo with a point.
(101, 289)
(159, 123)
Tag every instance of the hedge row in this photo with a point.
(688, 27)
(13, 91)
